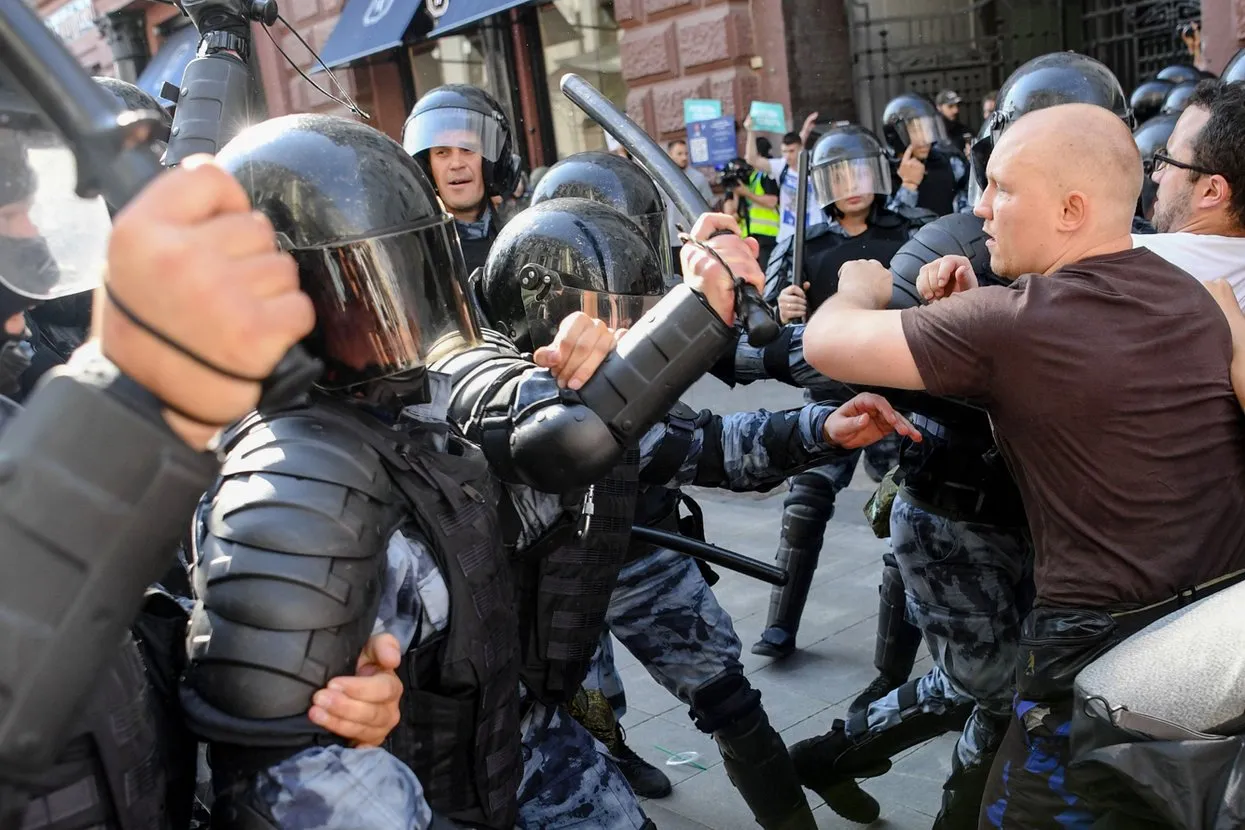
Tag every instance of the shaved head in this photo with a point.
(1062, 183)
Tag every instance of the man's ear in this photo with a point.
(1213, 192)
(1075, 211)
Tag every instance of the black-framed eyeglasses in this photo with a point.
(1161, 160)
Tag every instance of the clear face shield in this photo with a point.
(842, 179)
(547, 301)
(454, 127)
(925, 131)
(387, 305)
(656, 231)
(52, 242)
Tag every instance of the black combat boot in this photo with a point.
(760, 767)
(962, 794)
(879, 688)
(644, 778)
(830, 764)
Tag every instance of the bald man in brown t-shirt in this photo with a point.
(1105, 370)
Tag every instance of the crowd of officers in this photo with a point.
(393, 605)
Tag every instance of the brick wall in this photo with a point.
(677, 49)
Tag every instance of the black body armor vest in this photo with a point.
(826, 254)
(111, 776)
(460, 705)
(937, 190)
(565, 582)
(958, 472)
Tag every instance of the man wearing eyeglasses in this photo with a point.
(1199, 211)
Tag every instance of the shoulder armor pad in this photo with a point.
(290, 557)
(956, 233)
(310, 444)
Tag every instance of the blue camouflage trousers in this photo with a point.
(968, 589)
(664, 612)
(569, 780)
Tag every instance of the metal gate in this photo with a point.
(1137, 38)
(970, 46)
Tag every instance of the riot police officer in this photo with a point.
(933, 175)
(383, 516)
(1151, 137)
(1147, 99)
(958, 511)
(59, 326)
(462, 137)
(615, 181)
(567, 254)
(851, 180)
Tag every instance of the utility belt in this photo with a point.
(1057, 643)
(965, 503)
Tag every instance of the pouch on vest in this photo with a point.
(878, 508)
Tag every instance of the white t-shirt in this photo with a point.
(788, 179)
(1204, 256)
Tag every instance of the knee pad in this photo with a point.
(892, 588)
(807, 509)
(723, 701)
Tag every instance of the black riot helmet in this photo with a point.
(912, 120)
(1049, 81)
(1235, 70)
(566, 255)
(1178, 98)
(848, 161)
(1151, 137)
(615, 181)
(376, 254)
(136, 98)
(1179, 73)
(1147, 99)
(464, 116)
(53, 244)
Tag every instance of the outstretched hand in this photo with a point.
(864, 420)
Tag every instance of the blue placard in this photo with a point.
(701, 109)
(711, 143)
(768, 118)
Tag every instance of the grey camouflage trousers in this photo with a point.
(968, 587)
(569, 780)
(664, 612)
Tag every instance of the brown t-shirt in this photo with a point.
(1107, 383)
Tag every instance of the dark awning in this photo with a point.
(169, 64)
(452, 15)
(367, 27)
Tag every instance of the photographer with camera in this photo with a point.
(755, 198)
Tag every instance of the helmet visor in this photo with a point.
(454, 127)
(923, 131)
(547, 302)
(654, 228)
(52, 242)
(387, 305)
(846, 178)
